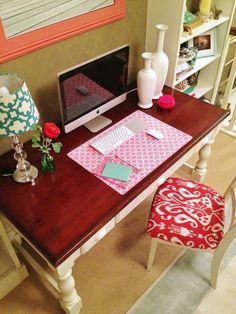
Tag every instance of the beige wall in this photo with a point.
(39, 68)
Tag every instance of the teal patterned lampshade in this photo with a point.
(18, 113)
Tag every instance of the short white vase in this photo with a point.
(146, 82)
(160, 62)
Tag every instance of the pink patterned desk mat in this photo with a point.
(142, 151)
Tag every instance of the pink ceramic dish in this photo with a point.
(166, 102)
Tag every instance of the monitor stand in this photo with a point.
(97, 123)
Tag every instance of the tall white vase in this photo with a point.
(160, 62)
(146, 82)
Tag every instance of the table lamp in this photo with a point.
(18, 114)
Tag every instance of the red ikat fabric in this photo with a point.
(187, 213)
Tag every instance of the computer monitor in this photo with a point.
(91, 88)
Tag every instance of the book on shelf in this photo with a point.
(189, 90)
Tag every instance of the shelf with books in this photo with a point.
(200, 64)
(197, 91)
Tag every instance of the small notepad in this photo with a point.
(116, 171)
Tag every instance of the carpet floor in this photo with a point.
(184, 286)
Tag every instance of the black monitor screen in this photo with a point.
(92, 84)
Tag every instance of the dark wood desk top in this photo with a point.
(67, 207)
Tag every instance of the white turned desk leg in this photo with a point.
(200, 169)
(69, 299)
(62, 279)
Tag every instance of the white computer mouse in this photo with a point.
(155, 133)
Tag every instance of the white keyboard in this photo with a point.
(112, 140)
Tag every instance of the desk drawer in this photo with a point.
(97, 236)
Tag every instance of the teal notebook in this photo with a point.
(117, 171)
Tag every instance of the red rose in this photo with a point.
(51, 130)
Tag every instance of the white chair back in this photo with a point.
(230, 205)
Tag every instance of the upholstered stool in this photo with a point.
(187, 213)
(192, 215)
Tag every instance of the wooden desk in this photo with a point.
(68, 211)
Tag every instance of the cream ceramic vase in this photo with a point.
(146, 82)
(160, 62)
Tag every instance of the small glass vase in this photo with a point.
(47, 163)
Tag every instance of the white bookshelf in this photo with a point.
(171, 13)
(202, 89)
(232, 97)
(229, 99)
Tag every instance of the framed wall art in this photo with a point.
(19, 36)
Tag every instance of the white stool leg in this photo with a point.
(152, 253)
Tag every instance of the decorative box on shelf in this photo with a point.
(190, 26)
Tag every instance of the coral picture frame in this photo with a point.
(31, 41)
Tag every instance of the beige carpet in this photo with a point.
(112, 275)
